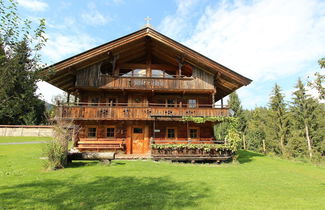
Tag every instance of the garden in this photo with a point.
(253, 181)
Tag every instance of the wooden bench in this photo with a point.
(102, 156)
(100, 144)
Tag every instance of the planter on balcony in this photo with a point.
(192, 152)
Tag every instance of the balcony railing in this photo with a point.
(150, 112)
(147, 83)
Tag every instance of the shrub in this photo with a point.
(56, 150)
(233, 139)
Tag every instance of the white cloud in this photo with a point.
(264, 40)
(34, 5)
(118, 1)
(94, 17)
(175, 25)
(48, 91)
(60, 46)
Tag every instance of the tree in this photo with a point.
(19, 68)
(256, 129)
(236, 107)
(303, 113)
(318, 83)
(279, 116)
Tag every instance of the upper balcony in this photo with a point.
(158, 80)
(126, 112)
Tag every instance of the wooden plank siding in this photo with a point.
(134, 113)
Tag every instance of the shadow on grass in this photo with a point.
(245, 156)
(76, 164)
(102, 193)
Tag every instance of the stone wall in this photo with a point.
(25, 130)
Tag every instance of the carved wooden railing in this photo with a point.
(153, 83)
(134, 113)
(198, 140)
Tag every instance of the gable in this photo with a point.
(131, 52)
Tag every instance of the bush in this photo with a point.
(56, 155)
(233, 139)
(56, 150)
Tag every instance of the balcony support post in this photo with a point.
(180, 65)
(187, 131)
(154, 130)
(68, 98)
(222, 103)
(213, 100)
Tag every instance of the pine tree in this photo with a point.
(19, 67)
(279, 116)
(303, 114)
(319, 82)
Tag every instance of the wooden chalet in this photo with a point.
(135, 90)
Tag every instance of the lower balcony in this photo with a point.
(86, 112)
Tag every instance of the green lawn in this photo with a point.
(256, 182)
(9, 139)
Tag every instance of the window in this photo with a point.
(192, 103)
(171, 102)
(94, 101)
(92, 132)
(193, 133)
(137, 130)
(171, 133)
(106, 68)
(111, 102)
(110, 132)
(139, 73)
(160, 73)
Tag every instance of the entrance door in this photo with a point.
(138, 141)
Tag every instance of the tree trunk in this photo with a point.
(244, 141)
(308, 141)
(282, 144)
(264, 147)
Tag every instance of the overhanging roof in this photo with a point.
(63, 77)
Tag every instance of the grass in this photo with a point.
(9, 139)
(255, 182)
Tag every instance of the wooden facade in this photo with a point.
(134, 91)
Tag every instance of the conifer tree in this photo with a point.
(279, 116)
(319, 81)
(303, 112)
(19, 67)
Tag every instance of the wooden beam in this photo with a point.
(68, 79)
(58, 78)
(148, 58)
(144, 66)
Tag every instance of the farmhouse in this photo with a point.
(135, 91)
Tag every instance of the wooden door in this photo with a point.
(138, 140)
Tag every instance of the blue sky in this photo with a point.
(269, 41)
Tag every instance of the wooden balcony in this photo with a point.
(151, 112)
(175, 83)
